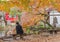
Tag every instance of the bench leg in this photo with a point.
(14, 36)
(55, 32)
(51, 32)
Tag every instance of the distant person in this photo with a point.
(19, 30)
(55, 21)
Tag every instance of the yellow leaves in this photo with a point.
(44, 3)
(56, 4)
(7, 5)
(11, 4)
(30, 19)
(26, 4)
(31, 2)
(1, 7)
(57, 8)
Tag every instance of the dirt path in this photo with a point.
(38, 38)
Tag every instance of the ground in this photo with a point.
(37, 38)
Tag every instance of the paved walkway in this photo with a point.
(37, 38)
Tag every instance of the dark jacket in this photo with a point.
(19, 29)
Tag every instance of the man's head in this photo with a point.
(17, 23)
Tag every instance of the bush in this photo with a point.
(1, 28)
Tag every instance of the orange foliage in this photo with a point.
(28, 19)
(1, 7)
(36, 3)
(57, 3)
